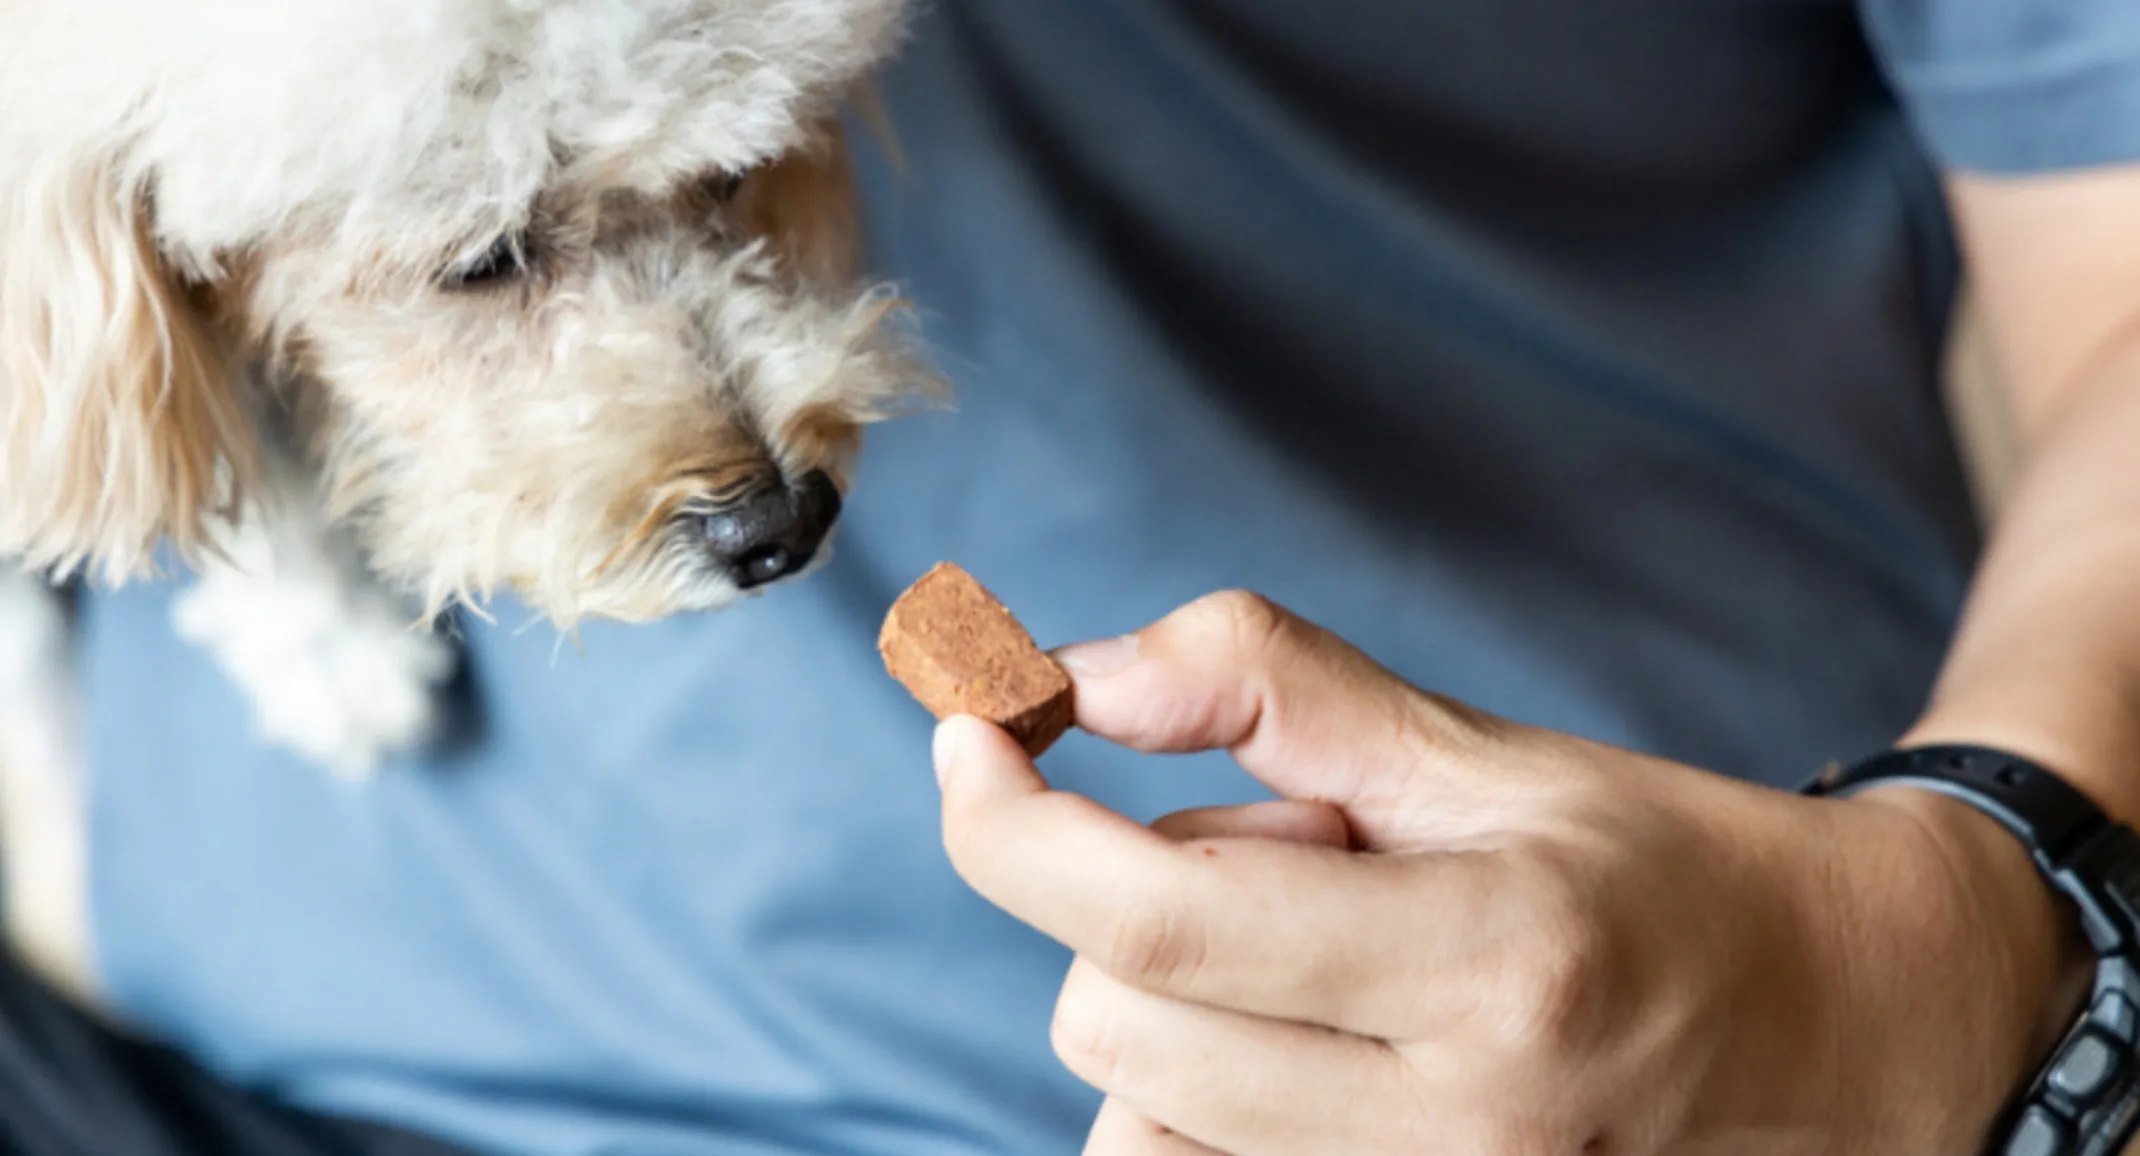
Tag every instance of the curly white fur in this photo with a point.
(333, 667)
(405, 126)
(462, 296)
(187, 189)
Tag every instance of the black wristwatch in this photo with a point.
(2086, 1099)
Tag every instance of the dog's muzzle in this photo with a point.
(772, 533)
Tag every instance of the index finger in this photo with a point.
(1276, 929)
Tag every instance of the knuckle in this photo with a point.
(1557, 988)
(1247, 621)
(1260, 633)
(1152, 946)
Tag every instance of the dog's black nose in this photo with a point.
(774, 532)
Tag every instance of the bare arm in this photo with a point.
(2047, 662)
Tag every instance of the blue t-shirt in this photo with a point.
(1577, 358)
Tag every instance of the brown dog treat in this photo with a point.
(959, 651)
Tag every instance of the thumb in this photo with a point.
(1300, 709)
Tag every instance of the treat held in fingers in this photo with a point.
(961, 652)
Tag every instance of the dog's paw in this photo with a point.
(334, 670)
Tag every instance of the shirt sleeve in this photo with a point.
(2016, 86)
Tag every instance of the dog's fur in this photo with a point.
(245, 315)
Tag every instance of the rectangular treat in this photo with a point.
(960, 651)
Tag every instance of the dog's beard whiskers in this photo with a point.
(665, 574)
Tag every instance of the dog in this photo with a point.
(363, 310)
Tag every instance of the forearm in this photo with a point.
(2046, 664)
(2047, 660)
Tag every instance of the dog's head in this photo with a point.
(556, 296)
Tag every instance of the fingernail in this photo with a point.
(1097, 659)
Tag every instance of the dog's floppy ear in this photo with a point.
(805, 206)
(120, 424)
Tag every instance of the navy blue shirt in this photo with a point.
(1577, 358)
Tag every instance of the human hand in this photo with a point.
(1467, 936)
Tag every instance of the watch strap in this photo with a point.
(2079, 850)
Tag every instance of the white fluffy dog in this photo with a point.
(364, 307)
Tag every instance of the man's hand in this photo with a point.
(1459, 935)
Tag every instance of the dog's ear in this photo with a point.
(121, 426)
(806, 207)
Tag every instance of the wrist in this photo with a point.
(1911, 977)
(2013, 905)
(2009, 946)
(2090, 736)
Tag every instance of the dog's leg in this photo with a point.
(336, 668)
(42, 817)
